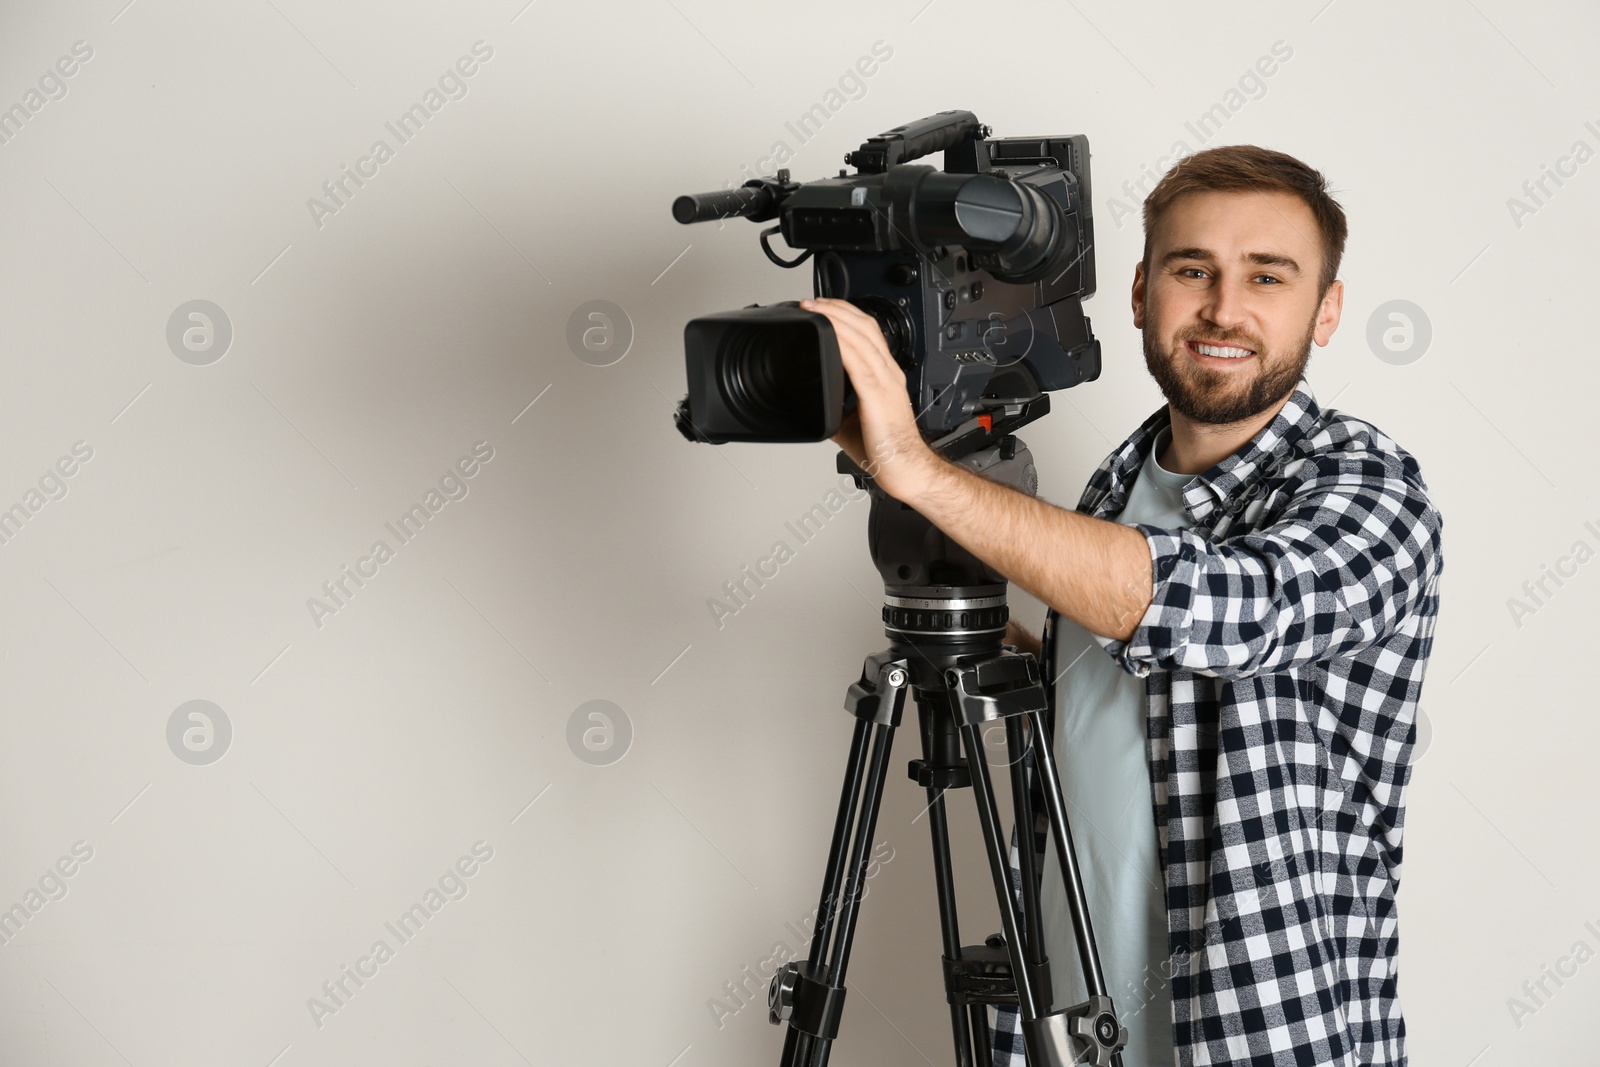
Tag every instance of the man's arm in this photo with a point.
(1354, 555)
(1096, 573)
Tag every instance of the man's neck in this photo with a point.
(1196, 447)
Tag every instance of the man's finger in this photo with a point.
(855, 352)
(842, 313)
(869, 353)
(844, 307)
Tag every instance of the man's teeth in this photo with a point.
(1222, 351)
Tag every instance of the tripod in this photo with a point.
(945, 616)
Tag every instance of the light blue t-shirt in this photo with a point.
(1100, 749)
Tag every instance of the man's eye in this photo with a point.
(1188, 270)
(1269, 278)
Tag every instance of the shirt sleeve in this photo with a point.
(1348, 559)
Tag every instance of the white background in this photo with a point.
(372, 350)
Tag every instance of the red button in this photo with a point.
(987, 422)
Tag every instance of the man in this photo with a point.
(1261, 577)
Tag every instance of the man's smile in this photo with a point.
(1214, 355)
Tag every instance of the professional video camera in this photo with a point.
(975, 274)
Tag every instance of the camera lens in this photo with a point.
(771, 376)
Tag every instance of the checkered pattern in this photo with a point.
(1283, 653)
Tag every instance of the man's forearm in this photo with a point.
(1096, 573)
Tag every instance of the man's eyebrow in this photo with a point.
(1260, 259)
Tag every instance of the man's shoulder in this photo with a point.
(1336, 444)
(1360, 480)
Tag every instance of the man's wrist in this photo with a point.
(905, 471)
(927, 475)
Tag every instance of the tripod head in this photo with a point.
(940, 600)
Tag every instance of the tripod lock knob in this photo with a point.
(1097, 1028)
(801, 996)
(780, 994)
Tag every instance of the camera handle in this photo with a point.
(915, 140)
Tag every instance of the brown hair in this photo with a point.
(1230, 168)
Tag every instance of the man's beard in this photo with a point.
(1209, 396)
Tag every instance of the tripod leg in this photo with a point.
(982, 1040)
(866, 826)
(1093, 978)
(1005, 687)
(999, 868)
(941, 747)
(833, 876)
(810, 1039)
(1109, 1033)
(1022, 804)
(797, 1044)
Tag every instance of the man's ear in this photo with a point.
(1138, 296)
(1328, 314)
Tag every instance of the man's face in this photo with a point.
(1230, 306)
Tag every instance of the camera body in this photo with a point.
(975, 274)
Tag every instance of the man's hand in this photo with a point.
(881, 435)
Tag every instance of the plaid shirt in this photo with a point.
(1283, 653)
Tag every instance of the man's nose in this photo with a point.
(1227, 306)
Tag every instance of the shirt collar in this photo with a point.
(1215, 487)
